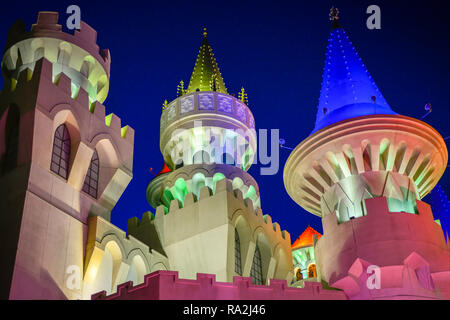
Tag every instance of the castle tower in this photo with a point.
(208, 215)
(303, 255)
(62, 159)
(364, 169)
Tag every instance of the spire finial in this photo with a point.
(334, 14)
(204, 32)
(334, 17)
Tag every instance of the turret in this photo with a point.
(205, 127)
(362, 161)
(76, 55)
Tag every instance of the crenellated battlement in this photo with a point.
(410, 279)
(199, 234)
(162, 285)
(77, 56)
(367, 238)
(63, 92)
(47, 27)
(189, 179)
(207, 195)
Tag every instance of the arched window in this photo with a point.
(299, 275)
(237, 254)
(61, 152)
(91, 181)
(11, 139)
(256, 271)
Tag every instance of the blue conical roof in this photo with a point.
(348, 90)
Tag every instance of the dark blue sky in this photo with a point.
(276, 50)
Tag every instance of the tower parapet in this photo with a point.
(167, 285)
(213, 119)
(207, 223)
(190, 179)
(78, 55)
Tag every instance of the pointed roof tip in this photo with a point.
(206, 75)
(347, 89)
(306, 238)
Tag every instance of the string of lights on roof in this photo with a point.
(206, 75)
(342, 60)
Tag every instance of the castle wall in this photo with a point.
(409, 280)
(166, 285)
(384, 238)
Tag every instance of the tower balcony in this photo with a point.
(208, 127)
(339, 166)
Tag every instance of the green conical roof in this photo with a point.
(206, 75)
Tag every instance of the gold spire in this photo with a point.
(206, 75)
(242, 95)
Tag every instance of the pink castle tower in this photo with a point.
(62, 160)
(364, 170)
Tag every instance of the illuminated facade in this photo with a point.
(65, 164)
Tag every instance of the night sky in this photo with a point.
(276, 50)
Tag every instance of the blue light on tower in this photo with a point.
(348, 89)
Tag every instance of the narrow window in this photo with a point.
(61, 152)
(91, 181)
(256, 271)
(312, 272)
(237, 254)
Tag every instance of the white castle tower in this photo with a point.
(208, 217)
